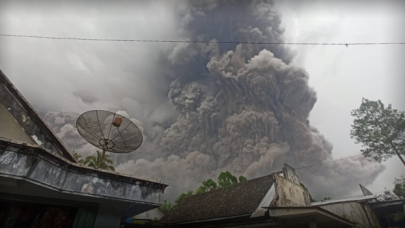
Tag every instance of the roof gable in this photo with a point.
(239, 199)
(29, 119)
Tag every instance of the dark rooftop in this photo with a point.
(235, 200)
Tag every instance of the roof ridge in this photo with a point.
(37, 120)
(230, 186)
(236, 199)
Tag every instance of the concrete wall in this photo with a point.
(353, 210)
(10, 128)
(289, 194)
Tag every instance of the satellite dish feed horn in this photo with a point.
(109, 131)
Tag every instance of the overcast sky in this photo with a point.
(343, 76)
(77, 76)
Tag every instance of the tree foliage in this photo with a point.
(325, 199)
(183, 196)
(98, 162)
(225, 179)
(380, 129)
(399, 188)
(166, 206)
(206, 186)
(397, 193)
(78, 158)
(386, 196)
(242, 179)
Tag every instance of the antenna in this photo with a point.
(109, 131)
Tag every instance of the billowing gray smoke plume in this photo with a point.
(241, 107)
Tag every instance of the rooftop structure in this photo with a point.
(37, 169)
(269, 201)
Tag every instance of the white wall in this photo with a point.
(151, 214)
(10, 128)
(352, 209)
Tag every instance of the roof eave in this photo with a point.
(34, 115)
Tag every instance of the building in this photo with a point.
(355, 208)
(276, 200)
(366, 211)
(41, 184)
(387, 212)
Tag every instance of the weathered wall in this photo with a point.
(289, 194)
(371, 215)
(9, 127)
(68, 178)
(289, 174)
(353, 210)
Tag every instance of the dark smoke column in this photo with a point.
(242, 107)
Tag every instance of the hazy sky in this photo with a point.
(77, 76)
(343, 76)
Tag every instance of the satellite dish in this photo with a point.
(109, 131)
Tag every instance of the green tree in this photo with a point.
(242, 179)
(312, 200)
(98, 162)
(325, 199)
(399, 188)
(206, 186)
(166, 206)
(183, 196)
(380, 130)
(386, 196)
(78, 157)
(226, 179)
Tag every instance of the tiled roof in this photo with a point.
(235, 200)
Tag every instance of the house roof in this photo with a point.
(239, 199)
(352, 199)
(388, 207)
(40, 166)
(297, 215)
(29, 119)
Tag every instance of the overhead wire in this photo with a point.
(199, 41)
(218, 42)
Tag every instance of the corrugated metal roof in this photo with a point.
(351, 199)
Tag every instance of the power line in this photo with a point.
(194, 41)
(328, 162)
